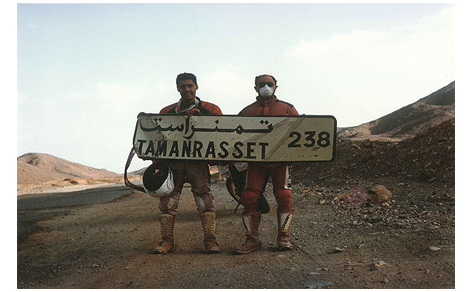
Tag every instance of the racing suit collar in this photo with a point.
(178, 108)
(265, 102)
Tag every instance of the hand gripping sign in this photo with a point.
(235, 138)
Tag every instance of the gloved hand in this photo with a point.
(192, 111)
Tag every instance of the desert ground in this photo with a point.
(407, 241)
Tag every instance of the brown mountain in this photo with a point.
(408, 121)
(416, 142)
(35, 168)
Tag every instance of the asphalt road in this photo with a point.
(34, 207)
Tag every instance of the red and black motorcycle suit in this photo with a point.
(196, 173)
(279, 172)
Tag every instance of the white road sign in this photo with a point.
(235, 138)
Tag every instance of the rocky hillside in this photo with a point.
(416, 142)
(408, 121)
(427, 157)
(34, 168)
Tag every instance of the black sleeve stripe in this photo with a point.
(247, 107)
(289, 104)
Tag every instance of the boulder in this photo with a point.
(379, 194)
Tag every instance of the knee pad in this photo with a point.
(284, 201)
(168, 205)
(205, 203)
(250, 195)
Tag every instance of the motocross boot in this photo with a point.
(284, 221)
(167, 232)
(209, 230)
(251, 224)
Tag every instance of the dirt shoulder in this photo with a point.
(68, 184)
(405, 243)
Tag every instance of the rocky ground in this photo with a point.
(407, 241)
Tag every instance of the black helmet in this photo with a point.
(158, 180)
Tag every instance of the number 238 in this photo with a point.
(323, 139)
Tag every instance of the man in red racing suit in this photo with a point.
(267, 104)
(196, 173)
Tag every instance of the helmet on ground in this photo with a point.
(158, 180)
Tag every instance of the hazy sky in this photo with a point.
(85, 71)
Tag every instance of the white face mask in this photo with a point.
(266, 91)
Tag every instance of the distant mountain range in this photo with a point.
(38, 167)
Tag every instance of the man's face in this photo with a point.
(263, 81)
(187, 90)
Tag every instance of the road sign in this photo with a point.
(235, 138)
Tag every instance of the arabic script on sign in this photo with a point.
(189, 131)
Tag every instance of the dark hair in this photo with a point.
(186, 76)
(257, 78)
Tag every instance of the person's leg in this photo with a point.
(168, 209)
(198, 175)
(283, 196)
(251, 217)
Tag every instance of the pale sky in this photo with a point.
(85, 71)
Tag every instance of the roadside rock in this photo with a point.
(379, 194)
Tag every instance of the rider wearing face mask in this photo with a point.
(267, 104)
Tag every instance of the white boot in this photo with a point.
(284, 221)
